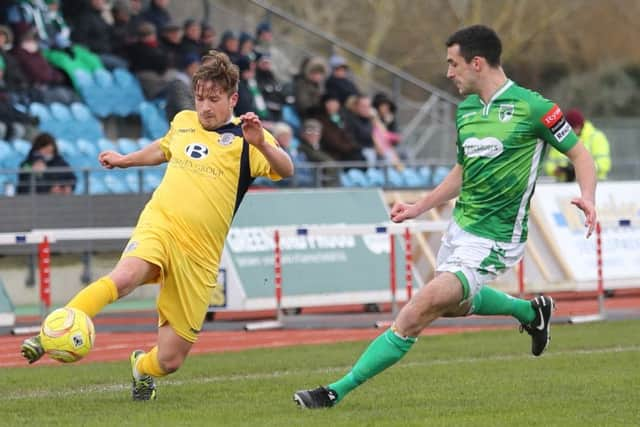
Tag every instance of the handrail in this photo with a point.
(356, 51)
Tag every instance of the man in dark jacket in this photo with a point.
(339, 82)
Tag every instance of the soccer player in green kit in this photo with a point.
(503, 133)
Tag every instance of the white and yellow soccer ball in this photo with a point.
(67, 334)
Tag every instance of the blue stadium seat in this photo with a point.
(21, 146)
(106, 145)
(143, 142)
(88, 148)
(60, 112)
(103, 78)
(395, 178)
(66, 148)
(127, 145)
(96, 98)
(376, 177)
(151, 179)
(97, 184)
(89, 127)
(358, 178)
(5, 150)
(130, 88)
(132, 179)
(290, 116)
(47, 123)
(439, 174)
(412, 178)
(345, 181)
(115, 182)
(425, 173)
(154, 123)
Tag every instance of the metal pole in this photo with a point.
(408, 263)
(392, 271)
(521, 278)
(277, 274)
(601, 309)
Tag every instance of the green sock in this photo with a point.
(383, 352)
(490, 301)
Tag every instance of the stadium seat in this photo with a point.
(89, 127)
(151, 179)
(394, 178)
(106, 145)
(132, 179)
(66, 148)
(130, 88)
(115, 182)
(345, 181)
(21, 146)
(97, 184)
(60, 112)
(5, 150)
(376, 177)
(96, 98)
(127, 145)
(290, 116)
(154, 124)
(358, 178)
(40, 111)
(425, 174)
(103, 78)
(412, 178)
(88, 148)
(439, 174)
(143, 142)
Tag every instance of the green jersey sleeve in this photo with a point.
(551, 126)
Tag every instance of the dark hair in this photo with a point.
(217, 67)
(43, 140)
(477, 40)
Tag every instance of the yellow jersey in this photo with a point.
(207, 175)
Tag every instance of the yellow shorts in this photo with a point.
(185, 287)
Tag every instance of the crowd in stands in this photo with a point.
(51, 51)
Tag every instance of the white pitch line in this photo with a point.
(110, 388)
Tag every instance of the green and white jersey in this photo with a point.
(501, 146)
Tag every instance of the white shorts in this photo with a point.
(475, 260)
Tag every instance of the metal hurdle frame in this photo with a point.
(391, 229)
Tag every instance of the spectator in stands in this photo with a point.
(192, 33)
(310, 146)
(303, 176)
(179, 93)
(272, 90)
(72, 10)
(282, 66)
(171, 40)
(249, 96)
(42, 156)
(308, 85)
(335, 139)
(594, 140)
(47, 82)
(13, 122)
(208, 38)
(157, 14)
(14, 79)
(246, 45)
(359, 123)
(386, 111)
(150, 62)
(229, 45)
(123, 30)
(339, 82)
(94, 32)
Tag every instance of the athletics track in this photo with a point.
(319, 326)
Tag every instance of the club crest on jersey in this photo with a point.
(226, 139)
(486, 147)
(505, 112)
(196, 151)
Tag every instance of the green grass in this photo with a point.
(589, 377)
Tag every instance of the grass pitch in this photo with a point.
(590, 376)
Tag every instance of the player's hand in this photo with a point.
(252, 129)
(111, 159)
(402, 211)
(589, 210)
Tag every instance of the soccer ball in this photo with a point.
(67, 334)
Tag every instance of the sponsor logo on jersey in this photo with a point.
(486, 147)
(554, 120)
(505, 112)
(186, 130)
(196, 151)
(226, 139)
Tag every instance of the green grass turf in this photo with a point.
(590, 376)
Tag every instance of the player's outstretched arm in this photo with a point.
(254, 134)
(586, 177)
(150, 155)
(445, 191)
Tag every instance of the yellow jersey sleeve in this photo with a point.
(259, 164)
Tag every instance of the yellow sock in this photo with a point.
(148, 364)
(95, 296)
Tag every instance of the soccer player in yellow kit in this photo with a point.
(212, 158)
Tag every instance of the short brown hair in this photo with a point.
(217, 67)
